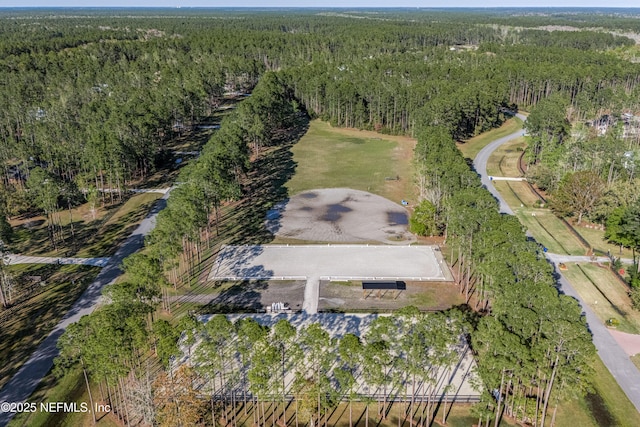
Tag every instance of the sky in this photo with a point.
(319, 3)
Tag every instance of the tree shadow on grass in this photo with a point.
(266, 187)
(20, 335)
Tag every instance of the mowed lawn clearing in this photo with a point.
(472, 147)
(328, 157)
(606, 296)
(517, 194)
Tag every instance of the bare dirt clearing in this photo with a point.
(340, 215)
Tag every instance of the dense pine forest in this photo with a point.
(89, 103)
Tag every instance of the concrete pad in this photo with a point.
(330, 262)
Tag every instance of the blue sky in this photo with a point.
(318, 3)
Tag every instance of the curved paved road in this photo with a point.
(612, 355)
(480, 164)
(25, 381)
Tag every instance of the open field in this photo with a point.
(517, 194)
(473, 146)
(328, 157)
(26, 324)
(605, 295)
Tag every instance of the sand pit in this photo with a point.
(340, 215)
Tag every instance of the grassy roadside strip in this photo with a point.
(503, 162)
(472, 147)
(606, 296)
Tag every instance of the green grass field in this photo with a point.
(549, 231)
(472, 147)
(328, 157)
(607, 406)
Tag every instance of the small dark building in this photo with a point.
(368, 287)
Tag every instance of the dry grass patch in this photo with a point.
(550, 231)
(428, 296)
(504, 161)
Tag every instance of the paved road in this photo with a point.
(612, 355)
(480, 164)
(557, 258)
(311, 295)
(24, 382)
(24, 259)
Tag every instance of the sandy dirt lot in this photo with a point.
(348, 296)
(340, 215)
(461, 375)
(249, 296)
